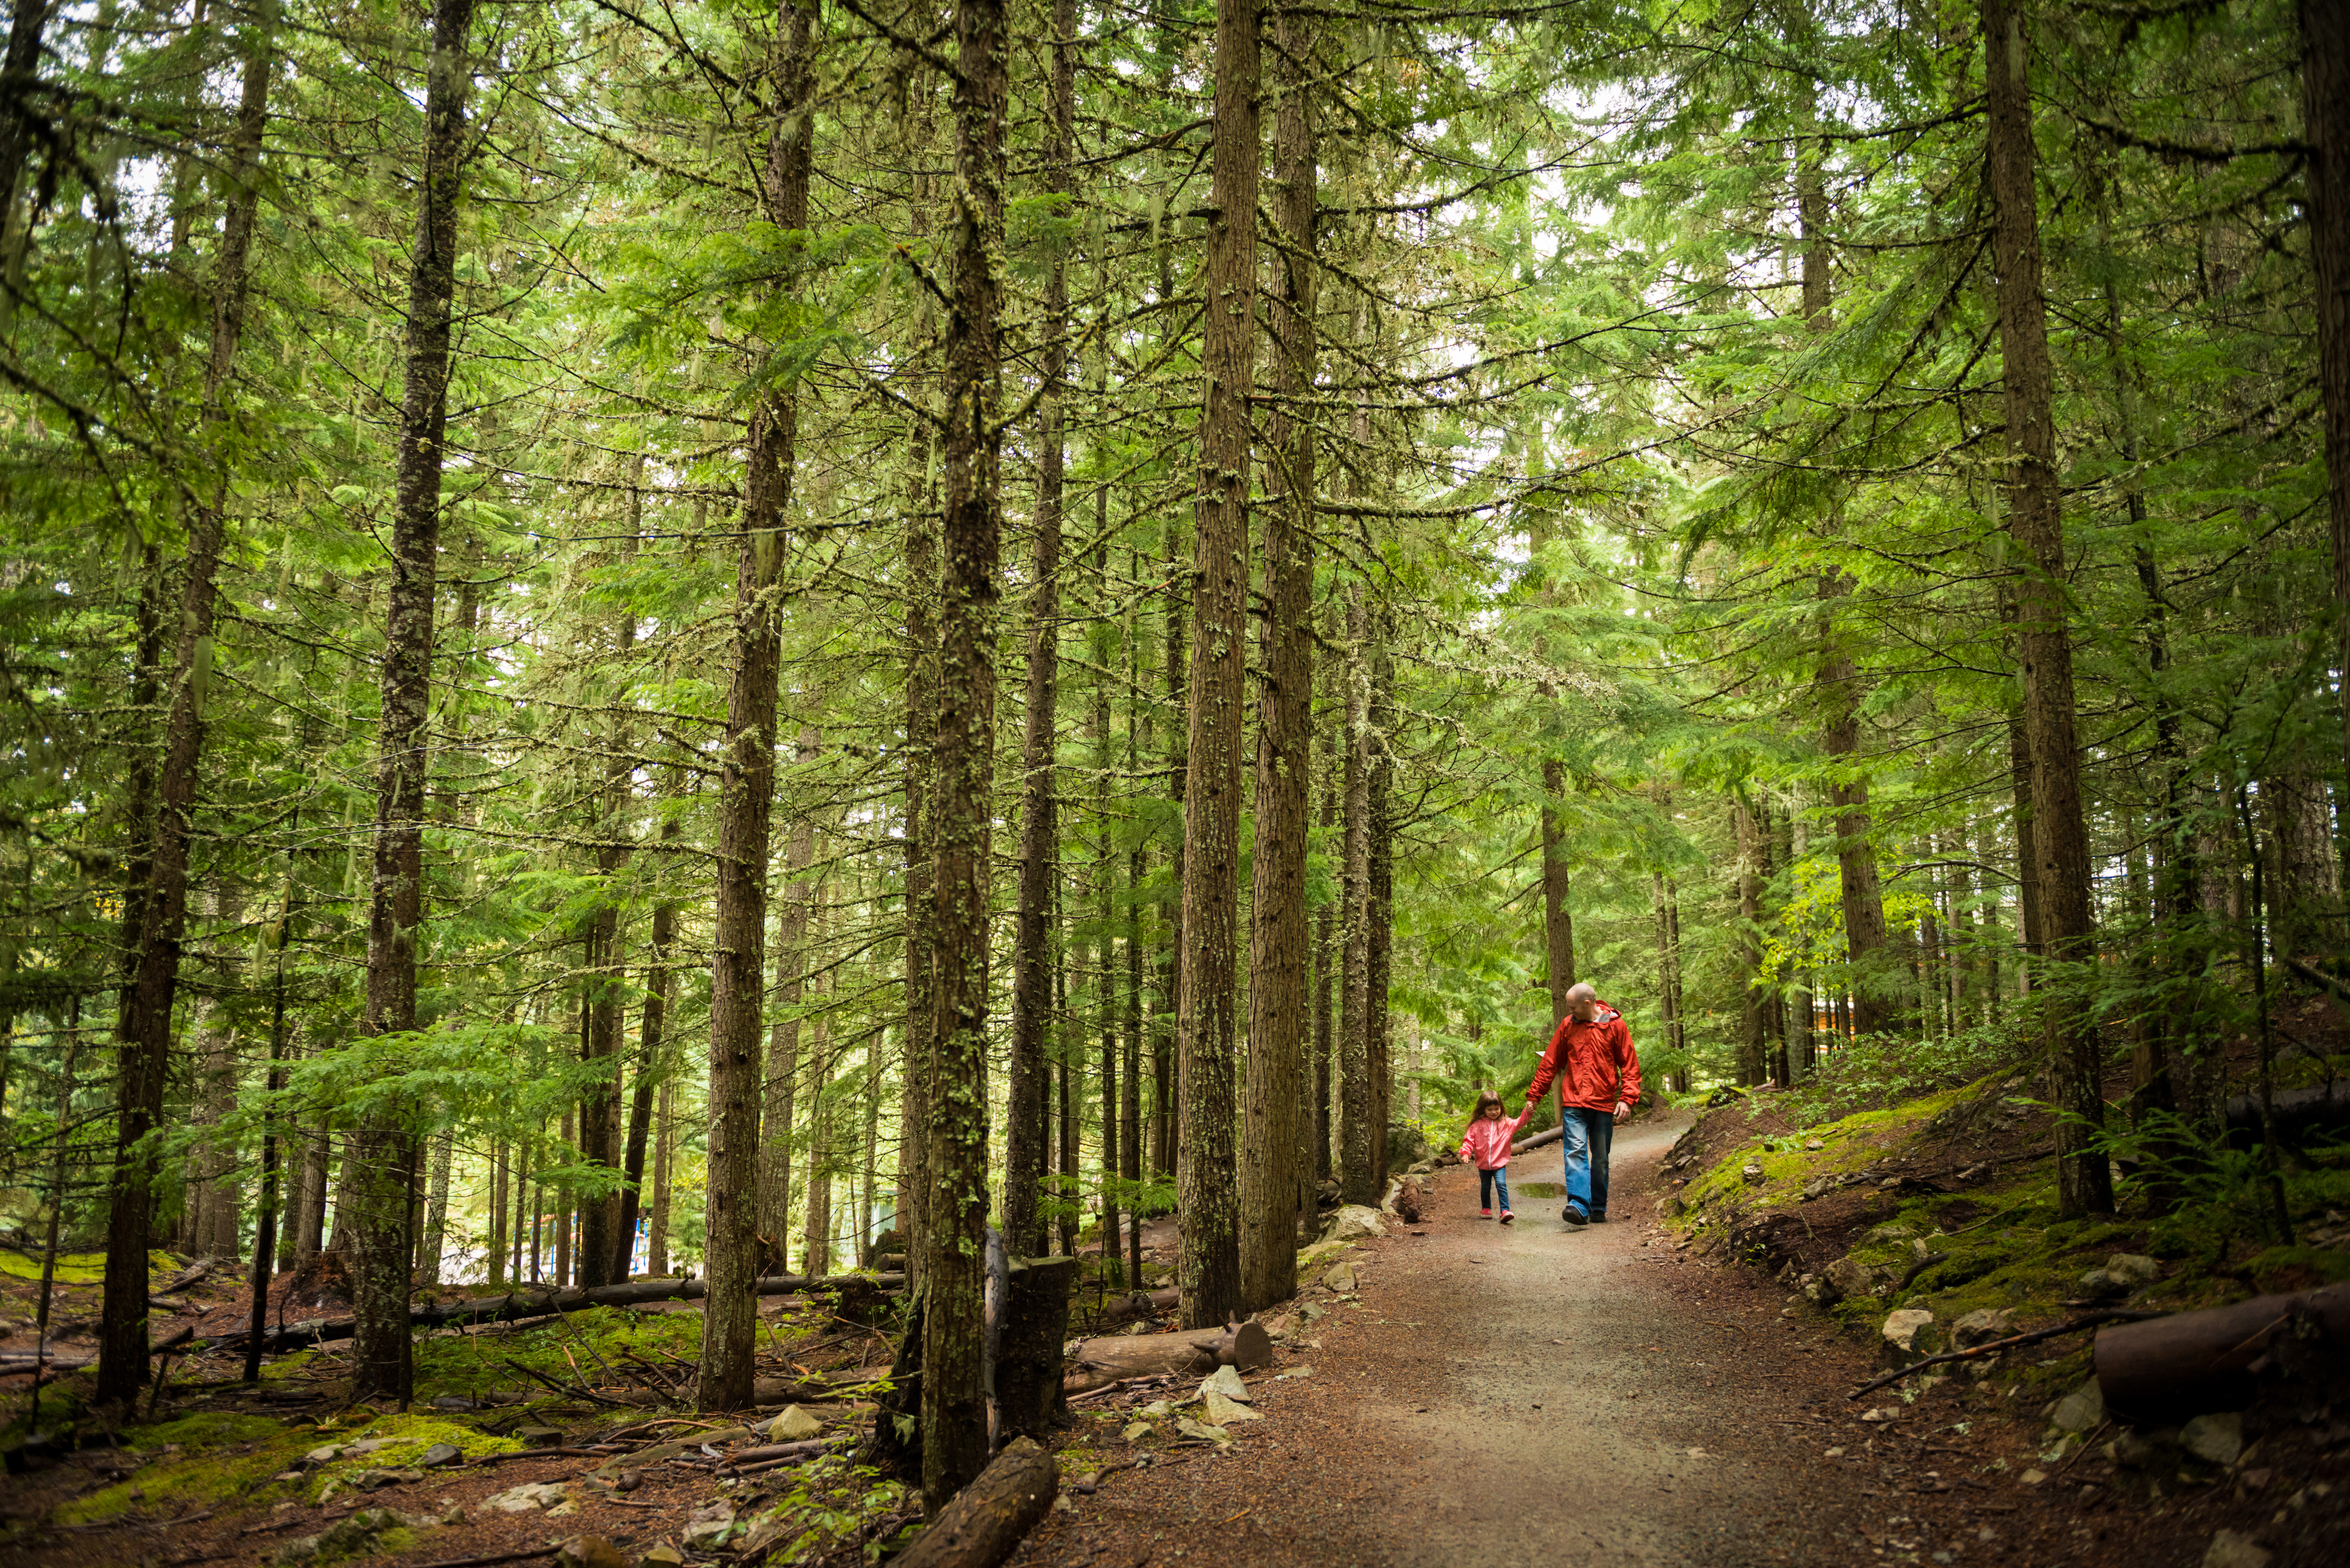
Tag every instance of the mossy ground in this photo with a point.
(2000, 1241)
(219, 1458)
(76, 1267)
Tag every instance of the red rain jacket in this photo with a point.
(1593, 1063)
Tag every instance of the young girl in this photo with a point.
(1487, 1141)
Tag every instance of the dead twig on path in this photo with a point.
(495, 1557)
(2012, 1342)
(567, 1393)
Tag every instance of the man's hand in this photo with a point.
(1623, 1113)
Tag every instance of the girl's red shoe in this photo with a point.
(1507, 1216)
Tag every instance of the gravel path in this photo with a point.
(1527, 1393)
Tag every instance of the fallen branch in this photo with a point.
(1537, 1141)
(567, 1393)
(536, 1454)
(2096, 1321)
(1919, 1267)
(495, 1557)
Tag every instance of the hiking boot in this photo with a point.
(1574, 1216)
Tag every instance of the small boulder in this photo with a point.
(2229, 1550)
(664, 1555)
(1671, 1206)
(1226, 1381)
(1353, 1221)
(1752, 1174)
(1848, 1276)
(2215, 1439)
(1223, 1412)
(440, 1453)
(1191, 1429)
(524, 1497)
(2101, 1285)
(2134, 1268)
(539, 1437)
(1818, 1186)
(1892, 1231)
(1882, 1415)
(1137, 1430)
(591, 1551)
(793, 1426)
(706, 1526)
(1340, 1277)
(1909, 1335)
(1813, 1145)
(2137, 1450)
(1982, 1327)
(2082, 1410)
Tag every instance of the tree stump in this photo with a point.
(1028, 1344)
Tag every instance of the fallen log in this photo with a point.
(1202, 1351)
(985, 1523)
(1139, 1304)
(812, 1390)
(2190, 1364)
(522, 1306)
(1538, 1139)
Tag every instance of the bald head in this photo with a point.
(1582, 1002)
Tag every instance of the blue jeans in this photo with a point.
(1489, 1181)
(1586, 1137)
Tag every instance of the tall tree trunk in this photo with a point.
(1207, 1027)
(1873, 985)
(382, 1154)
(1032, 953)
(2325, 120)
(1270, 1145)
(953, 1405)
(146, 1030)
(1379, 945)
(747, 790)
(1358, 1183)
(1136, 867)
(2059, 833)
(604, 1250)
(657, 1227)
(652, 1067)
(821, 1152)
(1748, 834)
(920, 1064)
(780, 1083)
(1325, 962)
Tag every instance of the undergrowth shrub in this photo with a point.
(1881, 1070)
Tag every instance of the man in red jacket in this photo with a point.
(1598, 1075)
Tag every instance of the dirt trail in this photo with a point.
(1528, 1393)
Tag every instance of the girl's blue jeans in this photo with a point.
(1488, 1182)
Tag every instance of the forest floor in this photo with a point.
(1632, 1393)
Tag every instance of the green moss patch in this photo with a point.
(221, 1459)
(406, 1437)
(74, 1268)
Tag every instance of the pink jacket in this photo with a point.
(1487, 1141)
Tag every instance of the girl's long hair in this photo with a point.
(1488, 1097)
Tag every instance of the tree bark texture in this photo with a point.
(162, 901)
(723, 1374)
(1207, 1029)
(1872, 980)
(2325, 121)
(953, 1405)
(1359, 1182)
(1270, 1186)
(1024, 1157)
(2059, 833)
(380, 1156)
